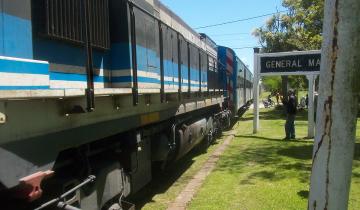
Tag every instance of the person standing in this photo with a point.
(291, 109)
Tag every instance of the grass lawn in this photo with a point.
(264, 172)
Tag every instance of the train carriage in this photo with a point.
(244, 87)
(249, 78)
(228, 75)
(236, 79)
(240, 87)
(104, 88)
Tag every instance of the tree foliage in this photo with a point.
(299, 29)
(272, 83)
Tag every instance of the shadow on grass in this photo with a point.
(272, 139)
(277, 160)
(357, 151)
(277, 114)
(303, 152)
(304, 194)
(263, 175)
(357, 175)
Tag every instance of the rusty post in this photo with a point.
(337, 108)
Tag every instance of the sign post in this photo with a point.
(256, 94)
(287, 63)
(311, 107)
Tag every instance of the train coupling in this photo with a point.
(59, 201)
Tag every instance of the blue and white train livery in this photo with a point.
(95, 94)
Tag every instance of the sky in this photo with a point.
(197, 13)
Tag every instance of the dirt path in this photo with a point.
(187, 194)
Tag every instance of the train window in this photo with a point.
(194, 55)
(203, 61)
(215, 66)
(211, 64)
(184, 53)
(64, 20)
(175, 48)
(167, 45)
(147, 41)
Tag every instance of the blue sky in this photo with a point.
(206, 12)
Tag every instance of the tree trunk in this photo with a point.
(337, 109)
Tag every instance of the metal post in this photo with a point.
(162, 73)
(256, 91)
(311, 123)
(256, 105)
(337, 107)
(90, 98)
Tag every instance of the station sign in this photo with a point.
(287, 63)
(290, 63)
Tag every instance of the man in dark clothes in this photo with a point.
(290, 105)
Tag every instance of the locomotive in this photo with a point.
(93, 93)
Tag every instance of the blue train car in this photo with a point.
(236, 79)
(102, 87)
(249, 80)
(244, 84)
(240, 87)
(98, 77)
(228, 75)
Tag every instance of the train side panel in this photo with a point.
(139, 47)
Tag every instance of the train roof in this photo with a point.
(208, 39)
(170, 18)
(167, 10)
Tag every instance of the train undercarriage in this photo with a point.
(101, 174)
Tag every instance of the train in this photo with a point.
(94, 93)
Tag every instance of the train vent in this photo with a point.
(64, 20)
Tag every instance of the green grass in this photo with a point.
(263, 172)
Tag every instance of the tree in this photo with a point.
(299, 29)
(272, 83)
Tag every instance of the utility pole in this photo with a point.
(337, 108)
